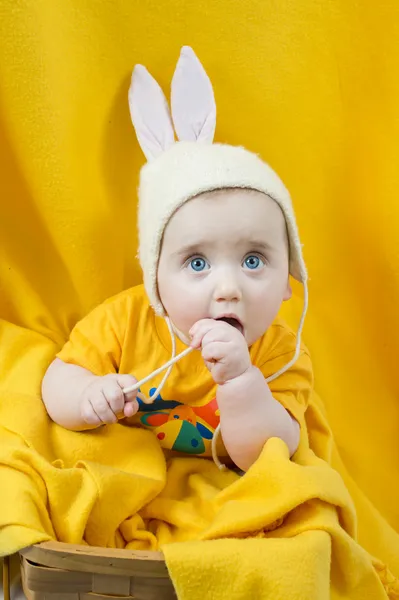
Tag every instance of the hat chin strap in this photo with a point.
(176, 331)
(169, 365)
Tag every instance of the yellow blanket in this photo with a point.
(312, 87)
(284, 530)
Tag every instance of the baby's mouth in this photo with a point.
(233, 322)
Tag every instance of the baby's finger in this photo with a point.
(89, 415)
(103, 409)
(125, 381)
(130, 408)
(114, 396)
(214, 351)
(199, 330)
(221, 332)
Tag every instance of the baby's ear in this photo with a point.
(150, 114)
(192, 100)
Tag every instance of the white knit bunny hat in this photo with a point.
(178, 171)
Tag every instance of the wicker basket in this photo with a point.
(56, 571)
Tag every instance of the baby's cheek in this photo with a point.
(184, 316)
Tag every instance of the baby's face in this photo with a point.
(225, 254)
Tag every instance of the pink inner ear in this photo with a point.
(192, 99)
(150, 114)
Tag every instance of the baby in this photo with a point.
(218, 241)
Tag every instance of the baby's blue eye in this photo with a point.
(198, 264)
(253, 262)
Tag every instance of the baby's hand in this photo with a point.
(104, 402)
(224, 349)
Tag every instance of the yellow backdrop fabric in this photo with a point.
(313, 87)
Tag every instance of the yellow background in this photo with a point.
(312, 85)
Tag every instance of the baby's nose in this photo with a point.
(227, 289)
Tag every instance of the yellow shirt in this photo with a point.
(123, 335)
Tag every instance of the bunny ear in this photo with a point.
(150, 114)
(193, 102)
